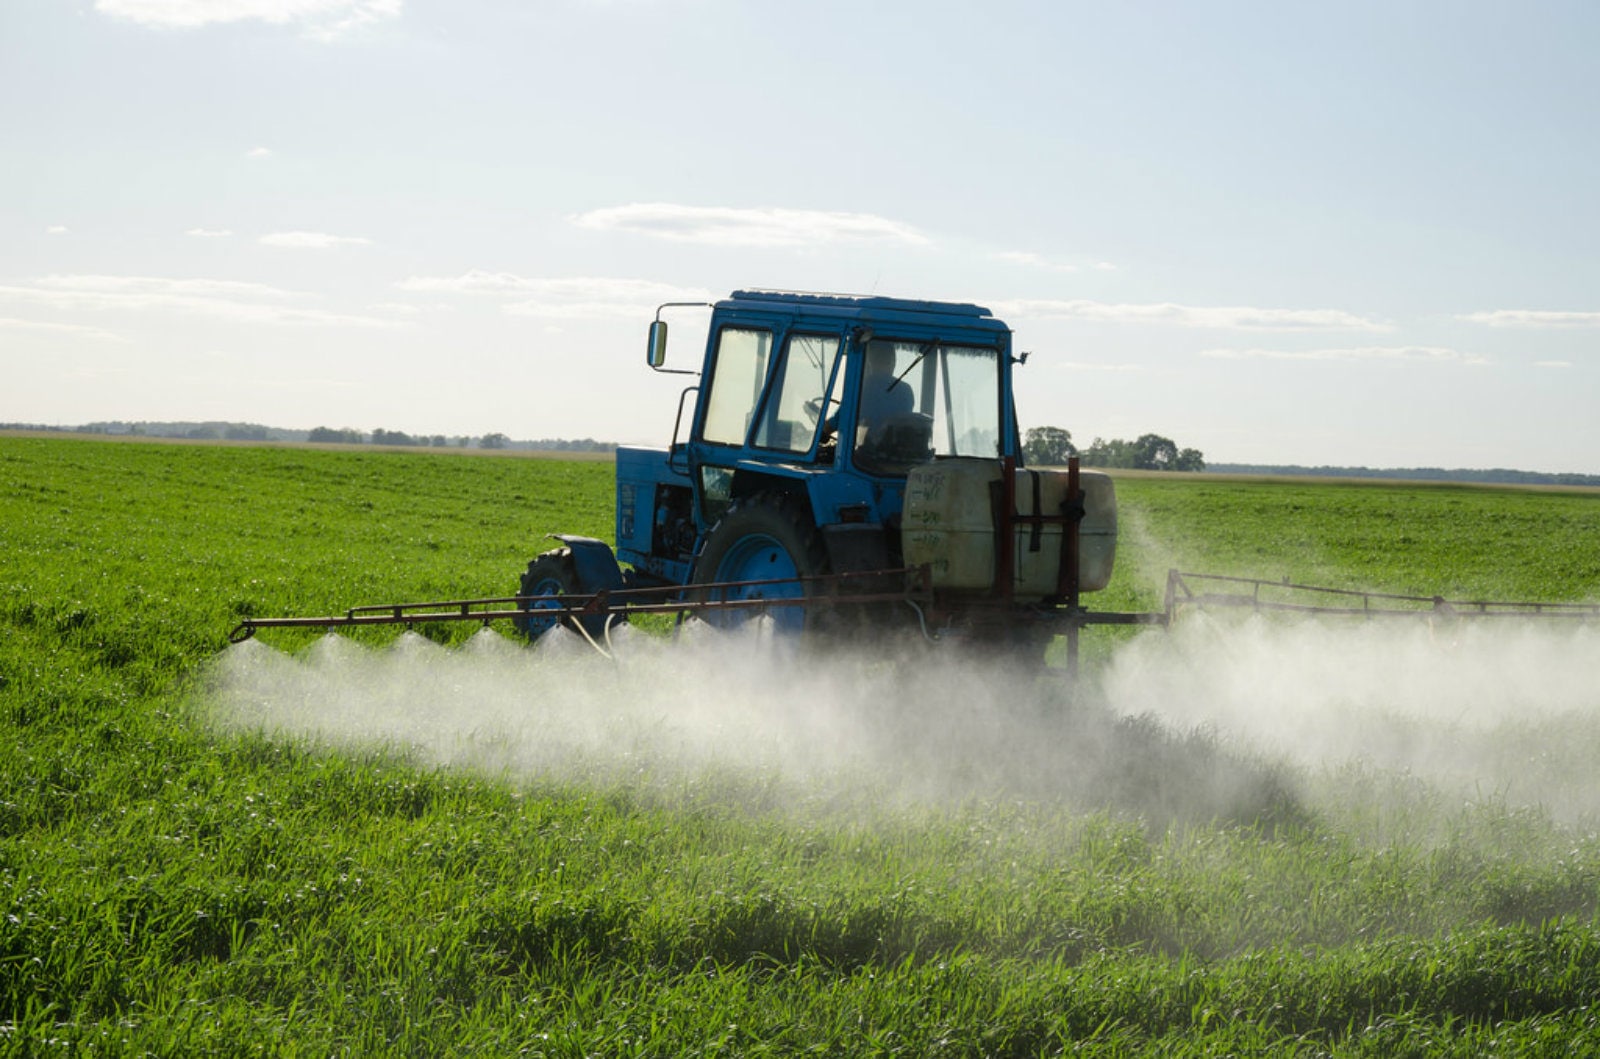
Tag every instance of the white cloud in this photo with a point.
(1033, 260)
(1416, 354)
(475, 281)
(56, 229)
(319, 18)
(89, 284)
(12, 324)
(259, 152)
(1231, 317)
(568, 298)
(1532, 318)
(312, 240)
(209, 233)
(728, 226)
(1078, 365)
(224, 299)
(1552, 363)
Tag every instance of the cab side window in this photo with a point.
(740, 369)
(793, 410)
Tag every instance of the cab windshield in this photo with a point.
(920, 400)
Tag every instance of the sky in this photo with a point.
(1356, 234)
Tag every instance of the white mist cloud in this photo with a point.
(730, 712)
(311, 240)
(56, 229)
(1491, 706)
(1196, 723)
(1191, 723)
(714, 700)
(729, 226)
(1416, 354)
(1533, 318)
(1242, 318)
(209, 233)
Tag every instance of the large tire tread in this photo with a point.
(773, 514)
(554, 568)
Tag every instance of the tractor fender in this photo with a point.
(593, 561)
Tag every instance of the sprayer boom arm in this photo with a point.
(1186, 589)
(833, 589)
(823, 590)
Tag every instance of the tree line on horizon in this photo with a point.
(217, 430)
(1148, 452)
(496, 440)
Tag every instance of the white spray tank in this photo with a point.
(949, 520)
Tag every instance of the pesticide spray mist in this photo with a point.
(1506, 710)
(1211, 721)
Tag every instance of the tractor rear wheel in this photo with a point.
(549, 577)
(769, 536)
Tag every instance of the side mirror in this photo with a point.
(656, 353)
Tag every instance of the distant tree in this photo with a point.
(1152, 452)
(438, 441)
(1109, 453)
(493, 441)
(1048, 445)
(392, 437)
(330, 436)
(568, 445)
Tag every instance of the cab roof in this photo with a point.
(866, 308)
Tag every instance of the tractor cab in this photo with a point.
(821, 387)
(821, 405)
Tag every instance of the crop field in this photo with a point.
(1245, 836)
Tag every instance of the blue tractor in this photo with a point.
(842, 457)
(855, 461)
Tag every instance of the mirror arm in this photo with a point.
(656, 350)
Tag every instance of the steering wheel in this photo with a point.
(815, 408)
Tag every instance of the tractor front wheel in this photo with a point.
(768, 537)
(549, 577)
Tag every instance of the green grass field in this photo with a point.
(176, 882)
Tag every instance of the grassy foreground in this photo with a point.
(173, 889)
